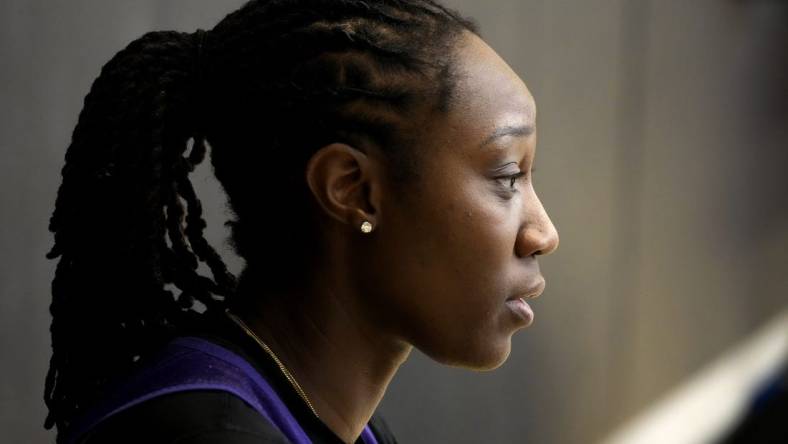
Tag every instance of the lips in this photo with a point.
(531, 292)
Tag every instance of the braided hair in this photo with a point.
(264, 89)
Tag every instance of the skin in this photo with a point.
(441, 262)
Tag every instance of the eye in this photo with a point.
(512, 179)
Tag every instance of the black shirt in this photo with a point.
(213, 416)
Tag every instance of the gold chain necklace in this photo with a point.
(271, 353)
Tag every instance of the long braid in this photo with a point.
(275, 79)
(122, 179)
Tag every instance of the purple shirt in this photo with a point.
(192, 363)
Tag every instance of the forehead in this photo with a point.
(488, 94)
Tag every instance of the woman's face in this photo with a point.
(454, 256)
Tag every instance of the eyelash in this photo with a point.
(513, 178)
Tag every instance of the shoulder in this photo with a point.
(193, 417)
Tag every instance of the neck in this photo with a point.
(341, 360)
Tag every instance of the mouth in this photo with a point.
(531, 292)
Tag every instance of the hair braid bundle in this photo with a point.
(266, 87)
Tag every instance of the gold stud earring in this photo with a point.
(366, 227)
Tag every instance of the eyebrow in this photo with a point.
(510, 130)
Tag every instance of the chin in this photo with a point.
(485, 356)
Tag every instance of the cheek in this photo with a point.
(479, 235)
(452, 271)
(480, 247)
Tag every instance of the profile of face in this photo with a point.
(451, 260)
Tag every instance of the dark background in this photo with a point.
(661, 159)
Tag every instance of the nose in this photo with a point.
(537, 234)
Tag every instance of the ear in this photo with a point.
(346, 183)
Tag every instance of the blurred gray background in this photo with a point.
(661, 159)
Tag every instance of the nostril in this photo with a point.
(532, 242)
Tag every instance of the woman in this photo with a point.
(376, 156)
